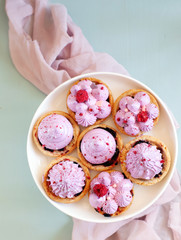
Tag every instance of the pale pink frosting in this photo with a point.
(146, 126)
(125, 118)
(94, 108)
(118, 194)
(98, 146)
(100, 92)
(132, 129)
(91, 101)
(144, 161)
(95, 201)
(116, 177)
(129, 109)
(71, 102)
(85, 118)
(125, 184)
(123, 200)
(104, 178)
(104, 108)
(152, 110)
(74, 89)
(133, 105)
(94, 182)
(55, 132)
(66, 179)
(142, 98)
(81, 107)
(85, 85)
(110, 206)
(111, 192)
(123, 103)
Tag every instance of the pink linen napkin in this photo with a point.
(47, 48)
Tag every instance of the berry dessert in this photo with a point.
(111, 193)
(99, 147)
(55, 133)
(135, 111)
(66, 180)
(145, 160)
(89, 101)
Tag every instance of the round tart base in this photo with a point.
(120, 209)
(104, 166)
(66, 150)
(97, 81)
(132, 93)
(159, 145)
(66, 200)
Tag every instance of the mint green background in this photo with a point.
(144, 36)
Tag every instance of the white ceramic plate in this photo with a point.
(145, 196)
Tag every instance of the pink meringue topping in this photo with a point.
(94, 108)
(101, 92)
(98, 146)
(66, 179)
(55, 132)
(144, 161)
(142, 98)
(118, 194)
(85, 118)
(104, 109)
(136, 114)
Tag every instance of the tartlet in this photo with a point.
(111, 193)
(99, 147)
(55, 133)
(89, 101)
(66, 180)
(135, 112)
(145, 160)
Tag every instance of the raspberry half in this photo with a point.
(100, 190)
(82, 96)
(142, 116)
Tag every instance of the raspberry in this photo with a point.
(142, 116)
(100, 190)
(82, 96)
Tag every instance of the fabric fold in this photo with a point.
(47, 48)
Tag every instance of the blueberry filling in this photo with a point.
(140, 141)
(52, 150)
(112, 132)
(78, 165)
(158, 175)
(113, 159)
(106, 215)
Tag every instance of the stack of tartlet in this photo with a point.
(145, 160)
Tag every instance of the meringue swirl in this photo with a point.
(55, 132)
(98, 146)
(85, 119)
(123, 200)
